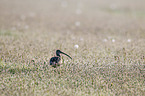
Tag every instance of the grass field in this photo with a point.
(109, 58)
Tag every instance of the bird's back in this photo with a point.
(54, 61)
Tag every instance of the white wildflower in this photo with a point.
(129, 40)
(113, 40)
(76, 46)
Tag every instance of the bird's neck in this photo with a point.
(58, 55)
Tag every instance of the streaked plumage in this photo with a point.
(56, 61)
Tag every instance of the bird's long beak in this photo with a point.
(66, 55)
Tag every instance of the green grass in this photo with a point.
(100, 75)
(99, 66)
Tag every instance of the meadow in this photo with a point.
(105, 38)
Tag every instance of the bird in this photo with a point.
(56, 60)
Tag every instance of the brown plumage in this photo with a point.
(56, 61)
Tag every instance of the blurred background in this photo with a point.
(89, 25)
(77, 16)
(105, 38)
(88, 20)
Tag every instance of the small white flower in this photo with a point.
(129, 40)
(113, 40)
(76, 46)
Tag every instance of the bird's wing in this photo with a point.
(55, 59)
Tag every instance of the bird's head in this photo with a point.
(58, 53)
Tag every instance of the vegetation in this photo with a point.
(104, 38)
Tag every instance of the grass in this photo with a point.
(104, 75)
(105, 62)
